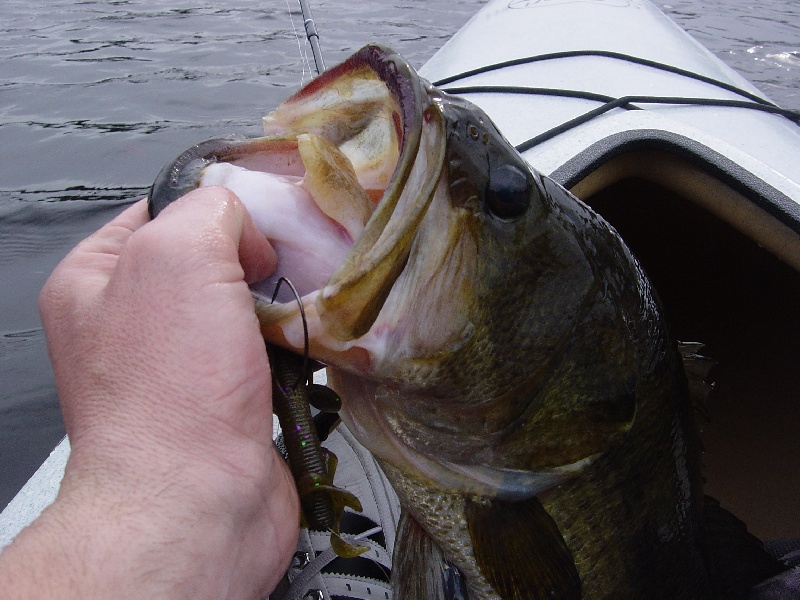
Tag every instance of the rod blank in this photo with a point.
(312, 36)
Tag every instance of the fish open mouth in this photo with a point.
(339, 183)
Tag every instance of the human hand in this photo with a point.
(173, 487)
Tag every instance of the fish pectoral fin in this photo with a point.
(419, 568)
(697, 366)
(520, 550)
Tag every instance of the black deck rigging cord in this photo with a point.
(607, 54)
(609, 102)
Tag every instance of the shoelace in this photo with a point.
(317, 573)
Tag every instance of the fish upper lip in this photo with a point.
(349, 302)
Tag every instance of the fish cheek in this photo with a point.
(592, 396)
(565, 368)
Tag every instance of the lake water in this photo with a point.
(96, 96)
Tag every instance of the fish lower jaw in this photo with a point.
(283, 324)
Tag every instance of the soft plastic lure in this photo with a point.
(312, 466)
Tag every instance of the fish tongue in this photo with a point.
(332, 182)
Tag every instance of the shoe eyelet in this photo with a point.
(301, 559)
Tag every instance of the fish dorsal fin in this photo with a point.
(696, 366)
(419, 569)
(520, 550)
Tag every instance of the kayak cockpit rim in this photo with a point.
(710, 180)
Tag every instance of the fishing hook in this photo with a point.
(304, 375)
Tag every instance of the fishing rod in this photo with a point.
(312, 36)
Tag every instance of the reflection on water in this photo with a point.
(96, 96)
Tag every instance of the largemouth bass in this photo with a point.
(495, 343)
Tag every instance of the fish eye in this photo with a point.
(508, 192)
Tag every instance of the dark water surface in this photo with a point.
(96, 96)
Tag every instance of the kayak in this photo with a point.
(583, 90)
(700, 174)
